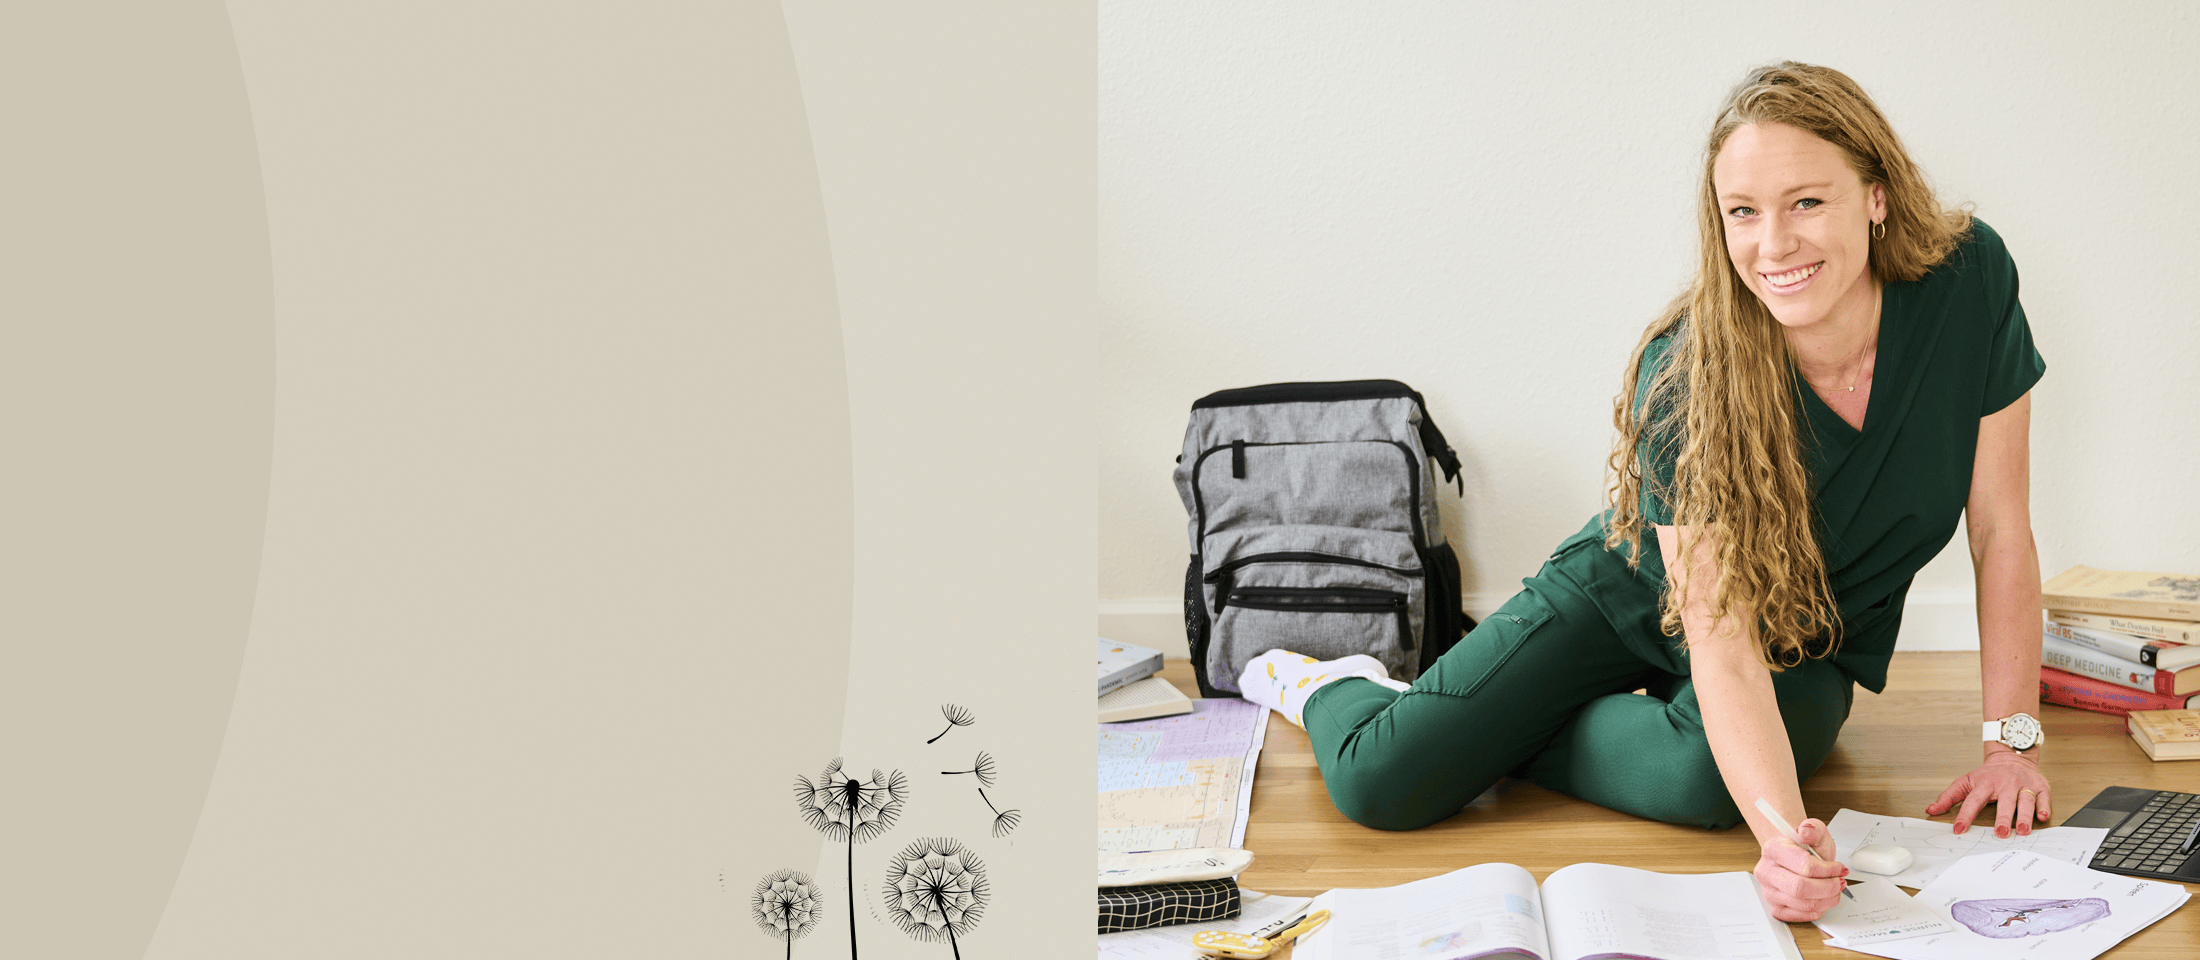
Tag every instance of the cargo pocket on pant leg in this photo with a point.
(1485, 649)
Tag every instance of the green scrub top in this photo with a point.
(1953, 347)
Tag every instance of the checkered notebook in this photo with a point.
(1162, 904)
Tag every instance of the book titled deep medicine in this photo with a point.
(2063, 654)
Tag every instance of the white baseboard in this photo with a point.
(1939, 618)
(1934, 618)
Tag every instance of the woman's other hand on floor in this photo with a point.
(1796, 886)
(2009, 780)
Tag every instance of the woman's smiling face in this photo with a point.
(1798, 222)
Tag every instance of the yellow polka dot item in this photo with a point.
(1293, 678)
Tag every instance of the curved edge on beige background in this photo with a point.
(137, 390)
(559, 524)
(957, 152)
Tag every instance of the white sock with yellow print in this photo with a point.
(1281, 680)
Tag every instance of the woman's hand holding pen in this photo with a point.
(1796, 885)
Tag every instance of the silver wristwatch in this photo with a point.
(2019, 730)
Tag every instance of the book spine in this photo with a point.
(2120, 606)
(1129, 671)
(2064, 655)
(2166, 631)
(2087, 693)
(2121, 646)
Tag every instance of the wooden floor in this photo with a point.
(1898, 751)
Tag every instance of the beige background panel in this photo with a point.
(136, 391)
(543, 283)
(955, 151)
(561, 490)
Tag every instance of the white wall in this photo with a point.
(1489, 201)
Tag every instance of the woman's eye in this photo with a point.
(1740, 212)
(1812, 201)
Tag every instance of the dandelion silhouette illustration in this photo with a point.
(786, 906)
(1003, 820)
(983, 768)
(936, 890)
(844, 808)
(956, 717)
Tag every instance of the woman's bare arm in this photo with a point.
(1742, 720)
(2006, 566)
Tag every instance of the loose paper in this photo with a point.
(1936, 845)
(1181, 781)
(1880, 912)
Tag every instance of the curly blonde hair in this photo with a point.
(1724, 404)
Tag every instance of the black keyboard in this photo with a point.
(2156, 840)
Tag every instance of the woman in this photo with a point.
(1799, 432)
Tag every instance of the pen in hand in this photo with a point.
(1789, 832)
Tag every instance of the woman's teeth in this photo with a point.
(1794, 276)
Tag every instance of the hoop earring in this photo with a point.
(1879, 230)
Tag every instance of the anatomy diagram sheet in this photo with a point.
(1181, 781)
(1936, 846)
(2016, 905)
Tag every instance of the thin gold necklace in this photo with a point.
(1871, 346)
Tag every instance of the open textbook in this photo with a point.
(1585, 911)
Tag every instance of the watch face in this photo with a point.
(2020, 731)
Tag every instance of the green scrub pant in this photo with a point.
(1542, 690)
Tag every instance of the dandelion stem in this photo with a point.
(851, 889)
(956, 717)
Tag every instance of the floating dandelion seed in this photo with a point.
(786, 906)
(855, 811)
(956, 717)
(1003, 820)
(936, 890)
(983, 768)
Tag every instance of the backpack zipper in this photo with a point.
(1237, 453)
(1324, 600)
(1225, 577)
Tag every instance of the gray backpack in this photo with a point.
(1314, 529)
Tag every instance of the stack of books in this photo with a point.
(2166, 734)
(1128, 688)
(2117, 642)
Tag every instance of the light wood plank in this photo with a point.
(1898, 751)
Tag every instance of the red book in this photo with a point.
(2102, 696)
